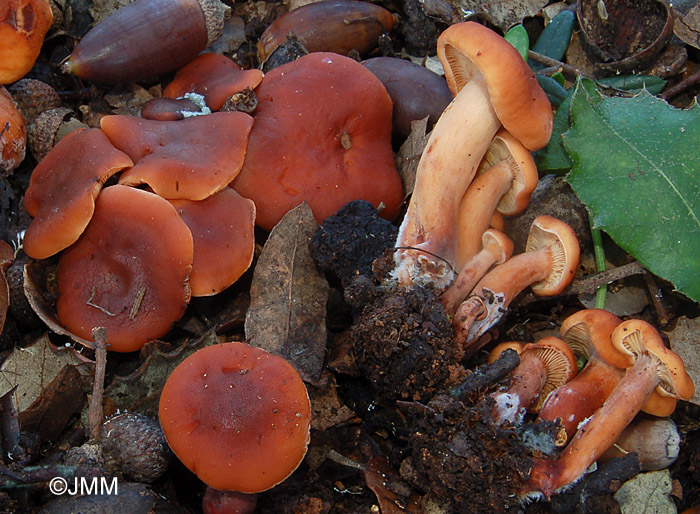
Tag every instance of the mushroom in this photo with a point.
(504, 182)
(496, 249)
(548, 265)
(236, 416)
(544, 366)
(222, 229)
(656, 370)
(215, 77)
(63, 188)
(13, 134)
(23, 26)
(191, 158)
(128, 272)
(493, 87)
(322, 134)
(587, 332)
(228, 502)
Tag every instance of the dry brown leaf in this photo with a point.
(6, 258)
(33, 368)
(502, 14)
(393, 495)
(684, 341)
(687, 25)
(326, 408)
(140, 391)
(408, 156)
(288, 295)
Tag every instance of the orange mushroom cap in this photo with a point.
(23, 26)
(497, 350)
(322, 135)
(128, 272)
(191, 158)
(471, 50)
(63, 188)
(13, 134)
(215, 77)
(236, 416)
(634, 337)
(222, 229)
(588, 332)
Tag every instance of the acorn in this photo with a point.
(338, 26)
(146, 39)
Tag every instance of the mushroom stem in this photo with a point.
(497, 248)
(601, 430)
(477, 207)
(491, 297)
(447, 166)
(527, 382)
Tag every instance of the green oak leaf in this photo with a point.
(635, 167)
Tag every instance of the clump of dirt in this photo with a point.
(348, 242)
(402, 343)
(463, 460)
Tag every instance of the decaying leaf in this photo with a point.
(502, 14)
(32, 370)
(326, 408)
(408, 156)
(393, 495)
(647, 492)
(288, 295)
(684, 341)
(37, 291)
(687, 25)
(6, 258)
(140, 391)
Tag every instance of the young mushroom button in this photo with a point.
(494, 87)
(236, 416)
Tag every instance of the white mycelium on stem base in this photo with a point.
(493, 87)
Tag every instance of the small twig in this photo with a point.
(656, 293)
(96, 409)
(571, 71)
(91, 304)
(686, 83)
(137, 302)
(591, 283)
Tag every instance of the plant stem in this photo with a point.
(599, 253)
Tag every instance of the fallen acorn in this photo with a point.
(146, 39)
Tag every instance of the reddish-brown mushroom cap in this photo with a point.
(215, 77)
(128, 272)
(191, 158)
(472, 51)
(222, 229)
(236, 416)
(13, 134)
(497, 350)
(560, 238)
(63, 188)
(322, 135)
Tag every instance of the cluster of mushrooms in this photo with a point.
(147, 211)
